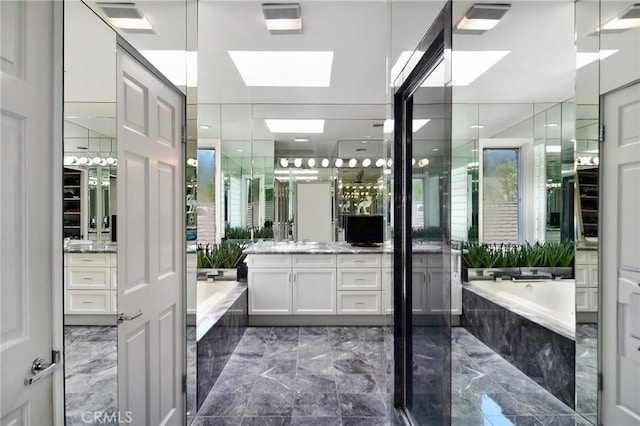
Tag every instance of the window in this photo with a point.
(501, 195)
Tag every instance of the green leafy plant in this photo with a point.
(558, 254)
(531, 254)
(550, 254)
(228, 254)
(237, 233)
(478, 256)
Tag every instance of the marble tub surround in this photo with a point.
(545, 356)
(549, 303)
(587, 371)
(218, 337)
(212, 307)
(74, 246)
(304, 376)
(90, 370)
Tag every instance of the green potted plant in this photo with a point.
(222, 259)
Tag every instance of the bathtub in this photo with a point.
(210, 295)
(548, 303)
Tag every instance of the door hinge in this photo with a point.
(601, 134)
(184, 384)
(184, 134)
(600, 382)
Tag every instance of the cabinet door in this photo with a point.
(593, 275)
(270, 291)
(314, 291)
(438, 296)
(582, 275)
(387, 293)
(583, 303)
(419, 292)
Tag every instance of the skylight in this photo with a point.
(179, 66)
(283, 69)
(466, 67)
(585, 58)
(295, 126)
(416, 125)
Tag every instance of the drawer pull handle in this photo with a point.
(87, 260)
(359, 260)
(359, 279)
(87, 303)
(88, 279)
(360, 305)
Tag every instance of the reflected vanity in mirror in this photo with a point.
(89, 214)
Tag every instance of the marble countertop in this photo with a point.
(329, 248)
(91, 247)
(587, 245)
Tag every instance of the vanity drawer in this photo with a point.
(88, 278)
(88, 259)
(314, 260)
(359, 260)
(88, 302)
(360, 279)
(114, 278)
(419, 260)
(269, 260)
(359, 302)
(434, 260)
(582, 257)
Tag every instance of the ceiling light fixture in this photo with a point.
(353, 162)
(481, 18)
(284, 162)
(295, 126)
(380, 162)
(311, 162)
(366, 162)
(204, 126)
(301, 139)
(551, 125)
(297, 162)
(282, 18)
(127, 17)
(284, 68)
(338, 162)
(476, 126)
(240, 150)
(436, 149)
(364, 141)
(325, 162)
(387, 127)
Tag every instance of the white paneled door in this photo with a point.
(27, 143)
(150, 246)
(620, 204)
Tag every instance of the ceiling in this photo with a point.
(366, 37)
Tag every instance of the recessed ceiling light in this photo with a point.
(283, 18)
(585, 58)
(551, 125)
(481, 17)
(171, 63)
(295, 126)
(629, 19)
(126, 16)
(466, 66)
(436, 149)
(284, 69)
(417, 125)
(301, 139)
(240, 150)
(477, 126)
(204, 126)
(364, 142)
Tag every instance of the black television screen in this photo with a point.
(364, 229)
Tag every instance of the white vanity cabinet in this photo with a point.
(586, 276)
(90, 283)
(270, 284)
(314, 284)
(359, 284)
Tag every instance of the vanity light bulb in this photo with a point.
(353, 162)
(339, 162)
(115, 162)
(366, 162)
(380, 162)
(97, 160)
(103, 163)
(89, 161)
(389, 162)
(68, 161)
(284, 162)
(325, 162)
(83, 160)
(311, 162)
(413, 161)
(424, 162)
(297, 162)
(110, 160)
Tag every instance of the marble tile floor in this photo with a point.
(587, 371)
(340, 376)
(90, 362)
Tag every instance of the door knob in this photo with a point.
(122, 317)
